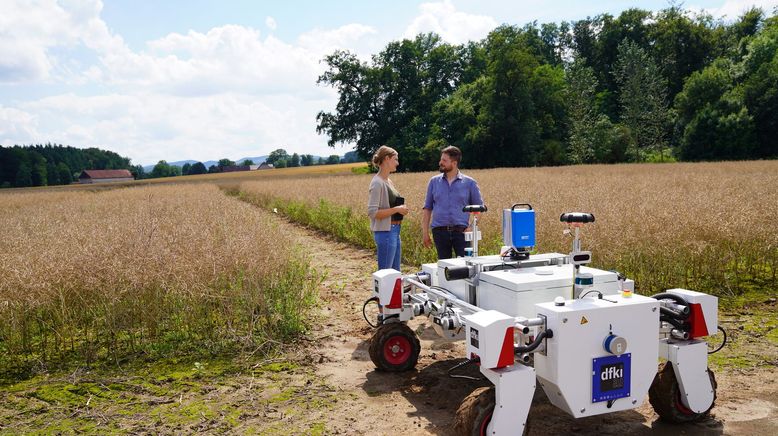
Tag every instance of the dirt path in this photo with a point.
(424, 401)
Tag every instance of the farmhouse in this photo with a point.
(266, 166)
(104, 176)
(233, 168)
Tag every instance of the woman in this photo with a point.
(386, 209)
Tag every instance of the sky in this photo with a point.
(206, 79)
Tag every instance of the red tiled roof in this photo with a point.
(105, 174)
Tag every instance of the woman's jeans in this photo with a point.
(388, 246)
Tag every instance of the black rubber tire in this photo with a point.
(394, 347)
(475, 412)
(665, 397)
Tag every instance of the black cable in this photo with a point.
(365, 314)
(724, 342)
(674, 313)
(445, 290)
(668, 296)
(461, 364)
(677, 323)
(535, 344)
(589, 292)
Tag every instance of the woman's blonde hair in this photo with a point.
(382, 153)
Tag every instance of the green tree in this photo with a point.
(582, 112)
(52, 176)
(642, 97)
(681, 44)
(23, 176)
(760, 87)
(390, 100)
(138, 172)
(37, 168)
(712, 116)
(276, 156)
(294, 161)
(333, 159)
(226, 163)
(214, 169)
(163, 169)
(185, 168)
(247, 162)
(198, 168)
(65, 173)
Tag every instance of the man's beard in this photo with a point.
(444, 169)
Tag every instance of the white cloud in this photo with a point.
(357, 38)
(732, 9)
(231, 91)
(271, 24)
(17, 127)
(152, 127)
(452, 25)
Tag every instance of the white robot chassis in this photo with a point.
(591, 343)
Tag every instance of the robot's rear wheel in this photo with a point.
(394, 347)
(665, 396)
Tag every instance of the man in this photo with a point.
(447, 194)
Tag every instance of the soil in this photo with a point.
(424, 401)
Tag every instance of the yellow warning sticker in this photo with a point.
(584, 320)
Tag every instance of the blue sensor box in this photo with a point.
(523, 228)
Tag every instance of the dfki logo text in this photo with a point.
(612, 372)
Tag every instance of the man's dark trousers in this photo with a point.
(447, 239)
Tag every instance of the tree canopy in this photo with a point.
(672, 84)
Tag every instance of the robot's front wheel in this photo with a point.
(475, 413)
(665, 396)
(394, 347)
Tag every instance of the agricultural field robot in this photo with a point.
(592, 343)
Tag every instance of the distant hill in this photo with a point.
(257, 160)
(180, 163)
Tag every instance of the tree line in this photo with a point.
(643, 86)
(50, 164)
(56, 164)
(279, 158)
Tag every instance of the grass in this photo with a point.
(172, 396)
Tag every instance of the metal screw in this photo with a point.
(653, 309)
(583, 410)
(564, 320)
(634, 401)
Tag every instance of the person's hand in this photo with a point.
(401, 209)
(427, 242)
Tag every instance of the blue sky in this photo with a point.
(203, 80)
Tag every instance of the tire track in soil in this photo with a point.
(424, 401)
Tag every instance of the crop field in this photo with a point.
(706, 226)
(182, 307)
(142, 271)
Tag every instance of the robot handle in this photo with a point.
(577, 217)
(474, 208)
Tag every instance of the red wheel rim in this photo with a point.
(485, 425)
(680, 406)
(397, 350)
